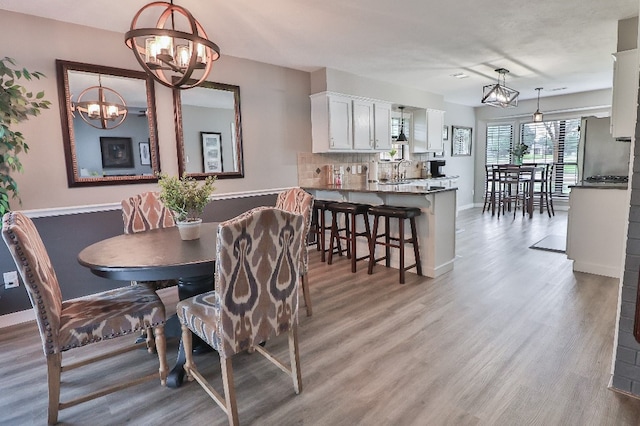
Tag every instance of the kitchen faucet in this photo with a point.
(402, 175)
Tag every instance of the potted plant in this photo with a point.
(186, 198)
(518, 151)
(17, 104)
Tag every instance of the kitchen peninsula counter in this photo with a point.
(436, 225)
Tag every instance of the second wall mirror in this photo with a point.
(209, 131)
(110, 134)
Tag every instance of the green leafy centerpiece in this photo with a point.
(186, 198)
(518, 151)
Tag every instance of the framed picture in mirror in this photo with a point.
(116, 152)
(211, 151)
(145, 154)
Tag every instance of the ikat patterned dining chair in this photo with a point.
(257, 276)
(67, 325)
(298, 201)
(144, 212)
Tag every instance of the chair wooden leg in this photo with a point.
(352, 242)
(305, 294)
(416, 248)
(321, 236)
(372, 245)
(54, 368)
(387, 249)
(294, 355)
(229, 390)
(151, 344)
(401, 243)
(161, 348)
(334, 233)
(187, 345)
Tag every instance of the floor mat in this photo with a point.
(557, 243)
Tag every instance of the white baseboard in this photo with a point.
(17, 318)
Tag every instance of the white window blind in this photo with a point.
(499, 139)
(554, 142)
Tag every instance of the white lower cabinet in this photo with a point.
(596, 230)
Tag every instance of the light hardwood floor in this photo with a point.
(510, 337)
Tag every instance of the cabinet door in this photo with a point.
(624, 93)
(382, 131)
(362, 125)
(419, 140)
(435, 122)
(340, 136)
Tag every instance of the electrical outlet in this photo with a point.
(10, 279)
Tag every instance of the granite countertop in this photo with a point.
(600, 185)
(416, 186)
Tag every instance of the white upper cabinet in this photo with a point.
(363, 125)
(342, 123)
(382, 124)
(435, 123)
(331, 123)
(624, 93)
(427, 131)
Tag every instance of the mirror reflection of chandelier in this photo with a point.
(175, 50)
(105, 108)
(499, 95)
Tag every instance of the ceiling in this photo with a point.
(563, 46)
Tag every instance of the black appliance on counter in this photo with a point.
(436, 168)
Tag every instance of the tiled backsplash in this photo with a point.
(315, 169)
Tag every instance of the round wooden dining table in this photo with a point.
(158, 254)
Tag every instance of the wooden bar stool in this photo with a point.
(318, 226)
(350, 211)
(401, 213)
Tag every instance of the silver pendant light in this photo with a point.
(537, 116)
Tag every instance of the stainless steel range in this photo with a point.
(607, 179)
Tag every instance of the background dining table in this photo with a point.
(526, 173)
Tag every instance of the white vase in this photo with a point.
(189, 230)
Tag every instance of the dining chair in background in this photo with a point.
(298, 201)
(67, 325)
(257, 277)
(144, 212)
(489, 187)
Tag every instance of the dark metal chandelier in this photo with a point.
(105, 108)
(499, 95)
(176, 52)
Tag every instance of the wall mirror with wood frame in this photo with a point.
(209, 131)
(97, 153)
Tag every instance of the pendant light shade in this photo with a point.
(537, 116)
(101, 107)
(176, 52)
(402, 138)
(499, 95)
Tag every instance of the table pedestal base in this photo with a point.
(187, 287)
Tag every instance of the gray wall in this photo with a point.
(275, 108)
(65, 236)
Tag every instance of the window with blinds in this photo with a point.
(554, 142)
(499, 140)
